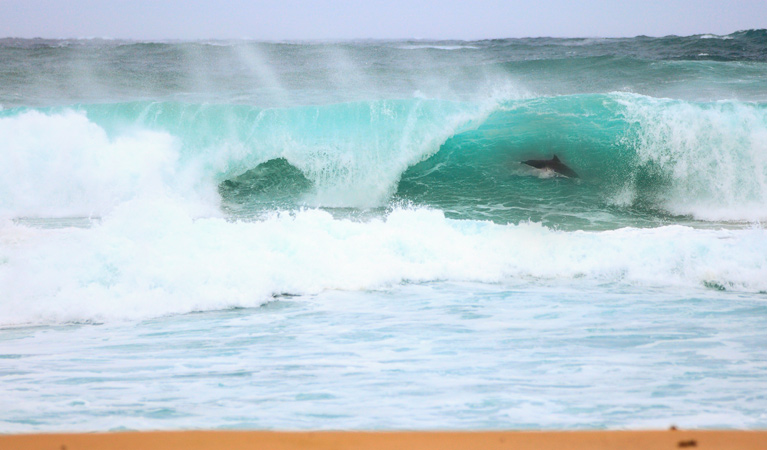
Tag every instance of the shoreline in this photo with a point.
(399, 440)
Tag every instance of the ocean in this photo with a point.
(341, 235)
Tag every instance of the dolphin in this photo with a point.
(553, 164)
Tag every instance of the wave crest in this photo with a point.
(643, 155)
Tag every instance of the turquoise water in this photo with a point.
(236, 234)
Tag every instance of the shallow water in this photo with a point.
(431, 356)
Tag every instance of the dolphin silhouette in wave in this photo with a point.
(553, 164)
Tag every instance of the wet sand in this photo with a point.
(342, 440)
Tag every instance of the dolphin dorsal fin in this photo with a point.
(555, 159)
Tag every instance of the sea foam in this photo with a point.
(54, 165)
(148, 259)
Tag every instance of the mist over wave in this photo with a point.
(38, 72)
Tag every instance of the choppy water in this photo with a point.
(284, 235)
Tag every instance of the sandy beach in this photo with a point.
(341, 440)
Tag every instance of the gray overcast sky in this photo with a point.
(350, 19)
